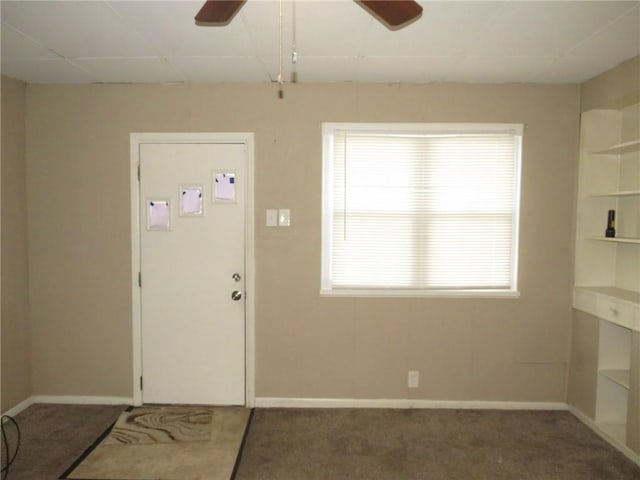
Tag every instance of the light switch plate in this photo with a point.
(272, 217)
(284, 217)
(413, 379)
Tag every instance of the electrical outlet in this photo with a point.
(413, 379)
(284, 217)
(272, 217)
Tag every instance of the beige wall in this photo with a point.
(610, 85)
(16, 370)
(79, 240)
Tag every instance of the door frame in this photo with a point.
(136, 140)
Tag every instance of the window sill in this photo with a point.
(358, 292)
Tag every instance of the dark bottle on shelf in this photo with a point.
(611, 224)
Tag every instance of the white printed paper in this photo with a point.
(225, 186)
(159, 215)
(191, 201)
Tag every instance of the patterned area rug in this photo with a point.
(161, 425)
(169, 443)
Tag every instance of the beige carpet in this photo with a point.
(181, 443)
(53, 436)
(371, 444)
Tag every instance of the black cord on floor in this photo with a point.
(10, 458)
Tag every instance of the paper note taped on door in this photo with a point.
(191, 202)
(224, 186)
(159, 215)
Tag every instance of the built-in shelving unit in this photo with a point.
(609, 180)
(613, 379)
(607, 269)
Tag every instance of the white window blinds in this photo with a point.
(428, 208)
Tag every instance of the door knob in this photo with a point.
(236, 295)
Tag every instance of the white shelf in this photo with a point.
(621, 377)
(614, 292)
(615, 239)
(622, 193)
(620, 148)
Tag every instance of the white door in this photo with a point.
(192, 256)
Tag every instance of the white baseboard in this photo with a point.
(630, 454)
(277, 402)
(68, 400)
(23, 405)
(82, 400)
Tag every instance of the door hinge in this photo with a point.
(138, 172)
(140, 382)
(140, 279)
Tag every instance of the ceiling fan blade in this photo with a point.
(394, 14)
(218, 12)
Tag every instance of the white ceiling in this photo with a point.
(336, 41)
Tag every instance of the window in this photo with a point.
(420, 209)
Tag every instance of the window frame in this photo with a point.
(328, 130)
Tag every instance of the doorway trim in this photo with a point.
(137, 139)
